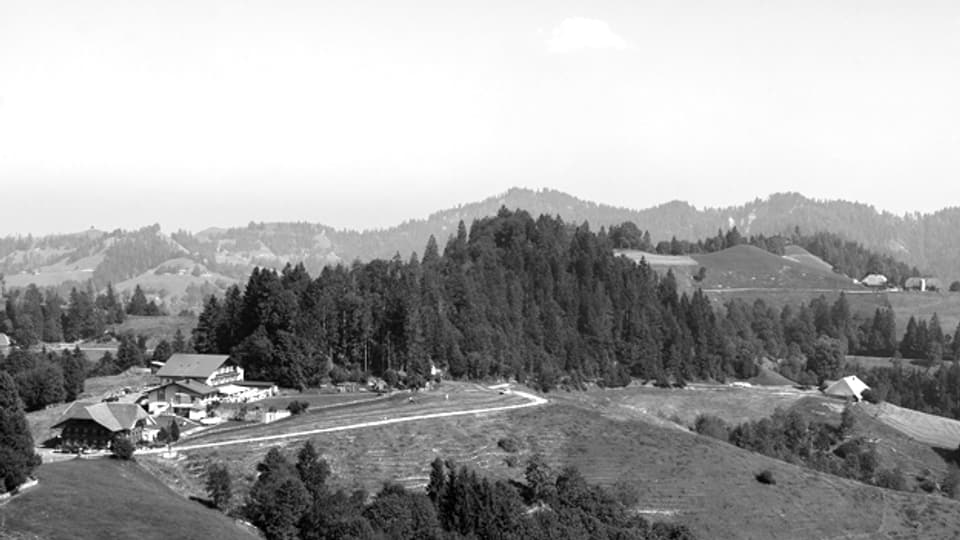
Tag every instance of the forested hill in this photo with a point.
(182, 267)
(541, 301)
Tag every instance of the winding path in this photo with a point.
(533, 401)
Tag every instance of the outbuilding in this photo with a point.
(847, 387)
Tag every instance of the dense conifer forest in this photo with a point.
(541, 301)
(538, 300)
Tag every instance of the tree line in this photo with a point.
(295, 500)
(32, 316)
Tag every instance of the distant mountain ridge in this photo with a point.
(222, 255)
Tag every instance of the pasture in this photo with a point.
(156, 328)
(923, 305)
(682, 406)
(929, 429)
(448, 397)
(656, 260)
(105, 498)
(618, 437)
(746, 266)
(674, 473)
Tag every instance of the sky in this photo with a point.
(363, 114)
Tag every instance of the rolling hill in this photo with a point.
(217, 257)
(621, 437)
(747, 266)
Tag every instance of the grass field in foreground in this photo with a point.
(105, 498)
(619, 436)
(678, 475)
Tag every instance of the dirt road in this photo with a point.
(533, 401)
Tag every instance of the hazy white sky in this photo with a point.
(355, 113)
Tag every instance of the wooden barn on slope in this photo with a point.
(93, 425)
(847, 387)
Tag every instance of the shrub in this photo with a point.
(511, 461)
(892, 479)
(339, 375)
(509, 445)
(297, 407)
(122, 447)
(391, 378)
(241, 413)
(712, 426)
(951, 483)
(928, 485)
(766, 477)
(414, 381)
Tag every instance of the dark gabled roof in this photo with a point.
(191, 385)
(114, 416)
(192, 365)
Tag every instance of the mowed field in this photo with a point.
(923, 305)
(682, 406)
(932, 430)
(448, 397)
(614, 436)
(655, 259)
(157, 328)
(105, 498)
(746, 266)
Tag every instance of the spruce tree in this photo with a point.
(218, 485)
(17, 458)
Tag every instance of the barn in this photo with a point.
(923, 284)
(876, 281)
(847, 387)
(93, 425)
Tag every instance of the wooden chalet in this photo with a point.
(94, 425)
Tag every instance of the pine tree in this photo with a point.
(312, 470)
(179, 343)
(219, 485)
(277, 500)
(17, 458)
(138, 302)
(162, 352)
(174, 431)
(74, 366)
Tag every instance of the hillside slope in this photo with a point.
(104, 498)
(747, 266)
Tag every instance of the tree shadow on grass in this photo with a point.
(205, 502)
